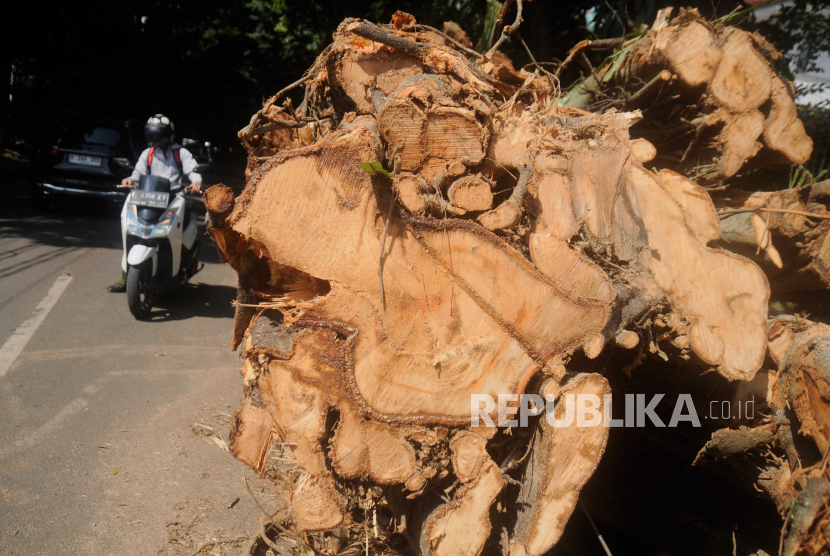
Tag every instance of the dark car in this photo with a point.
(89, 158)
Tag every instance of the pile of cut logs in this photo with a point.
(432, 226)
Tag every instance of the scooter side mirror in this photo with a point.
(124, 164)
(202, 168)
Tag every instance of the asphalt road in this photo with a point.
(99, 454)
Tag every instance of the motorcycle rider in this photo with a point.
(161, 158)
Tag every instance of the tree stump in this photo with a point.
(449, 233)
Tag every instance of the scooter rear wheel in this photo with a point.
(139, 291)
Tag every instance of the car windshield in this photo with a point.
(103, 136)
(100, 136)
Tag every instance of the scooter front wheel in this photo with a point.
(139, 290)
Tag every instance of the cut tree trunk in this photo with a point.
(787, 233)
(805, 388)
(436, 230)
(710, 96)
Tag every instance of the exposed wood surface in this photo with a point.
(517, 243)
(471, 193)
(806, 379)
(792, 247)
(742, 81)
(723, 88)
(563, 459)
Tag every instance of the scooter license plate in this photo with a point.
(154, 199)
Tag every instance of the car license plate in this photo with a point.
(84, 160)
(154, 199)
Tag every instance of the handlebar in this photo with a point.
(175, 190)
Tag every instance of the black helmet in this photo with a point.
(159, 131)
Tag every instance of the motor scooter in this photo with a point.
(158, 232)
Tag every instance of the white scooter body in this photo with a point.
(170, 227)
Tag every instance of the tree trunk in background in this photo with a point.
(710, 96)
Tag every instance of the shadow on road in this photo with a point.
(196, 300)
(72, 225)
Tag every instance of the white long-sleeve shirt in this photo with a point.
(164, 165)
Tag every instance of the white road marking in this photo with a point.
(52, 424)
(15, 344)
(125, 352)
(49, 426)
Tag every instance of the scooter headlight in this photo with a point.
(134, 227)
(159, 231)
(163, 226)
(168, 217)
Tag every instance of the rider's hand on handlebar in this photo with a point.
(194, 187)
(126, 182)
